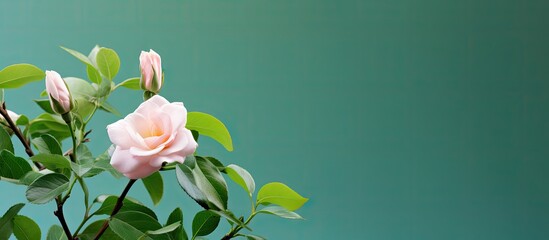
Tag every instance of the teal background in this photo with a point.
(398, 119)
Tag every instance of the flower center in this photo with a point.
(153, 131)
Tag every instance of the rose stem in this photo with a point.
(116, 208)
(19, 135)
(61, 217)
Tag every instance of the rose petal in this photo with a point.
(123, 161)
(177, 113)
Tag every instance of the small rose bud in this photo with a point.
(60, 97)
(151, 71)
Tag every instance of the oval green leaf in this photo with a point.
(140, 222)
(25, 228)
(210, 126)
(47, 144)
(126, 231)
(5, 140)
(13, 167)
(177, 216)
(280, 194)
(56, 233)
(109, 203)
(204, 223)
(17, 75)
(108, 62)
(203, 182)
(8, 216)
(241, 177)
(46, 188)
(52, 161)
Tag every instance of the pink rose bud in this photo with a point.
(153, 134)
(151, 71)
(60, 97)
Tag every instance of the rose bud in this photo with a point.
(152, 135)
(58, 92)
(151, 71)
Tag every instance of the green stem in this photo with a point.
(86, 194)
(59, 214)
(91, 115)
(116, 208)
(64, 199)
(235, 230)
(84, 221)
(73, 136)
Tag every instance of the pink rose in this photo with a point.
(152, 135)
(58, 92)
(151, 71)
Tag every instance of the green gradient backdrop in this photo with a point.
(399, 119)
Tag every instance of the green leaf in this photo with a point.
(30, 177)
(83, 93)
(83, 152)
(253, 237)
(92, 229)
(230, 217)
(177, 216)
(167, 229)
(107, 107)
(108, 62)
(130, 83)
(46, 188)
(93, 55)
(216, 163)
(125, 230)
(203, 182)
(280, 211)
(56, 233)
(102, 163)
(45, 105)
(13, 167)
(109, 203)
(85, 161)
(280, 194)
(241, 177)
(79, 56)
(22, 120)
(6, 230)
(49, 124)
(25, 228)
(17, 75)
(93, 74)
(80, 169)
(204, 223)
(155, 187)
(52, 161)
(5, 140)
(141, 222)
(210, 126)
(6, 223)
(47, 144)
